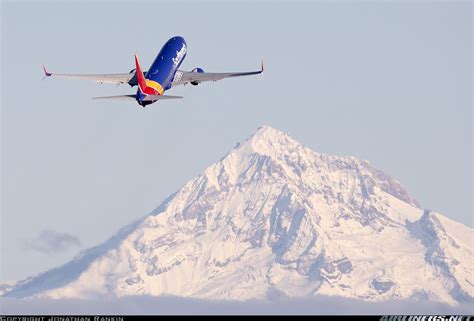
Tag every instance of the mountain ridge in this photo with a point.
(273, 215)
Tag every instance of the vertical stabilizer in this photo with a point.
(140, 76)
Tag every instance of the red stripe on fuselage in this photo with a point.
(150, 91)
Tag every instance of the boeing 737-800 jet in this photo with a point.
(162, 75)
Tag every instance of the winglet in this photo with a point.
(262, 67)
(46, 73)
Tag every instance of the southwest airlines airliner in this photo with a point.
(162, 75)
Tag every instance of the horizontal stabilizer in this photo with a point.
(160, 97)
(121, 97)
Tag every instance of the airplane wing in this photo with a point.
(99, 78)
(184, 77)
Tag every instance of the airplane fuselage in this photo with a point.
(161, 73)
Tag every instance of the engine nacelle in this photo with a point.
(198, 70)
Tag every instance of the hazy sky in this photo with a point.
(387, 82)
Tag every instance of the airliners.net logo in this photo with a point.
(426, 318)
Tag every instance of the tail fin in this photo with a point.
(140, 76)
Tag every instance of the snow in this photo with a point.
(274, 215)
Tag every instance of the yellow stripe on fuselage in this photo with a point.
(155, 85)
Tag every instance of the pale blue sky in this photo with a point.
(387, 82)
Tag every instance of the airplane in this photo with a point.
(162, 75)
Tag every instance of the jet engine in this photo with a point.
(133, 81)
(198, 70)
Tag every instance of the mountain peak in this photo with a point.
(267, 137)
(268, 132)
(281, 155)
(273, 215)
(266, 140)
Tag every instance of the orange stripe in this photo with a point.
(155, 85)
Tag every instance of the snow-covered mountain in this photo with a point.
(273, 217)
